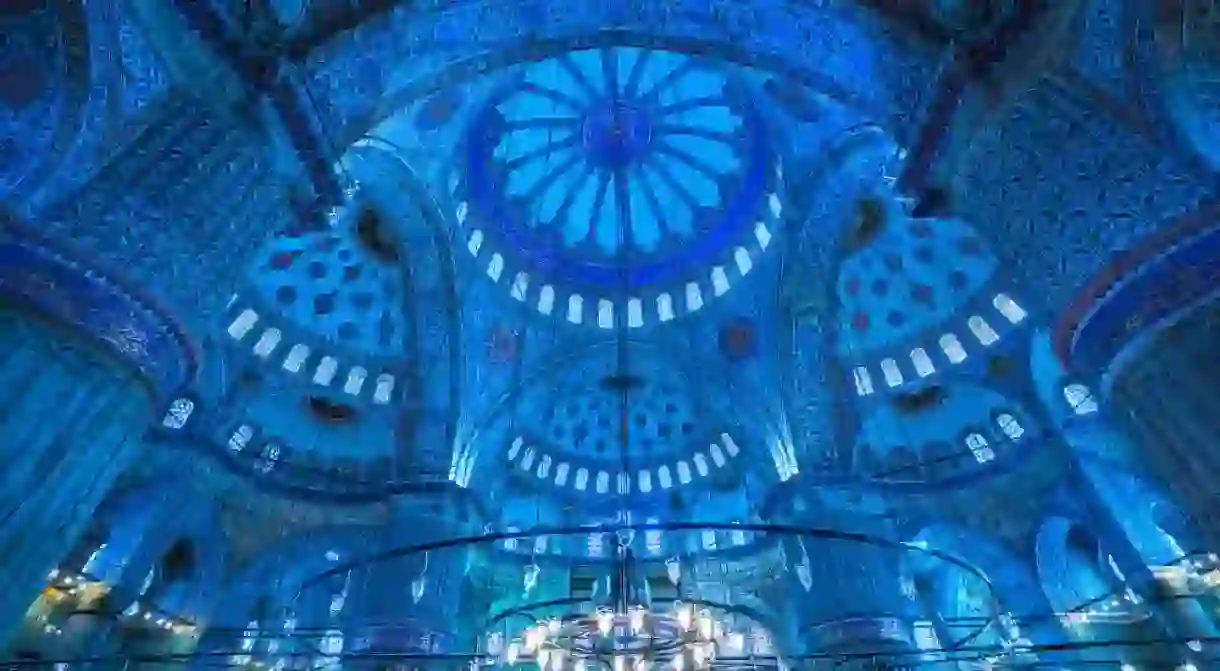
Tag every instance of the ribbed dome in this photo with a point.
(619, 170)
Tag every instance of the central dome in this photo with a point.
(619, 170)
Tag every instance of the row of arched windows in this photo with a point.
(327, 368)
(268, 457)
(950, 345)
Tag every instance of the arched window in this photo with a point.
(1010, 426)
(979, 447)
(269, 457)
(597, 545)
(694, 297)
(982, 330)
(241, 437)
(652, 538)
(325, 373)
(267, 343)
(864, 382)
(576, 308)
(242, 325)
(178, 414)
(1080, 399)
(1008, 307)
(923, 363)
(355, 380)
(384, 390)
(635, 313)
(953, 348)
(296, 358)
(605, 314)
(665, 307)
(546, 300)
(893, 376)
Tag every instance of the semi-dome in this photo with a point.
(344, 284)
(909, 275)
(594, 430)
(619, 185)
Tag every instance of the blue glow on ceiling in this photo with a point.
(619, 152)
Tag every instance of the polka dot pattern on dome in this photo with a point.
(914, 275)
(654, 419)
(324, 282)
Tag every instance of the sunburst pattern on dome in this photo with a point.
(632, 145)
(619, 169)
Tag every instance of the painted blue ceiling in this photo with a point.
(625, 181)
(329, 283)
(913, 275)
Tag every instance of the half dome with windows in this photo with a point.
(918, 297)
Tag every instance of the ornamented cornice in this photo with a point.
(34, 273)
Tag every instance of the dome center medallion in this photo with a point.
(616, 134)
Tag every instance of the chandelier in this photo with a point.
(621, 632)
(637, 638)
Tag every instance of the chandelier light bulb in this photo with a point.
(514, 651)
(605, 620)
(637, 620)
(684, 616)
(699, 655)
(678, 663)
(705, 626)
(619, 663)
(552, 626)
(543, 657)
(557, 657)
(674, 569)
(580, 665)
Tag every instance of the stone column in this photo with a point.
(852, 611)
(72, 417)
(1167, 397)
